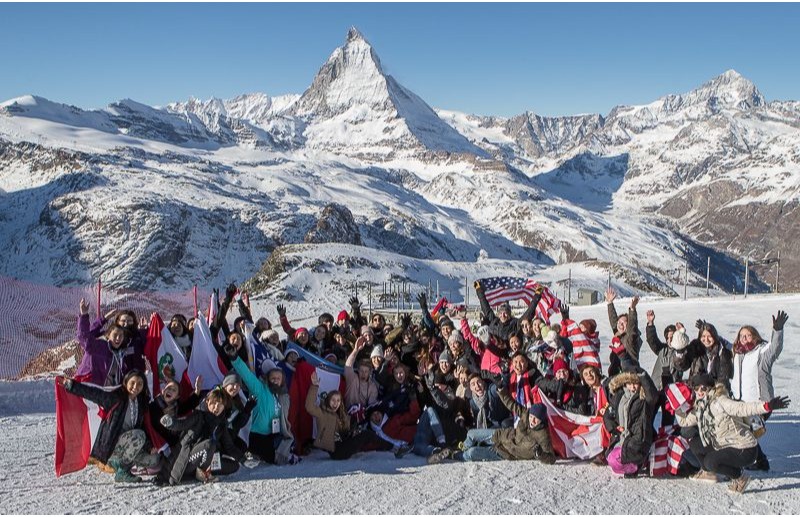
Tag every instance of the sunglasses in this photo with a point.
(701, 388)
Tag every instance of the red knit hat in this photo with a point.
(298, 331)
(589, 325)
(342, 316)
(559, 364)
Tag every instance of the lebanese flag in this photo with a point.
(204, 360)
(77, 422)
(330, 378)
(162, 350)
(585, 349)
(572, 435)
(666, 452)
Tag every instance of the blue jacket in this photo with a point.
(267, 407)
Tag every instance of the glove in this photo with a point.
(250, 404)
(699, 324)
(779, 320)
(778, 403)
(354, 304)
(281, 311)
(405, 320)
(564, 311)
(539, 289)
(477, 285)
(423, 301)
(166, 421)
(230, 291)
(230, 351)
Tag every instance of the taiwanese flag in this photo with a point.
(164, 354)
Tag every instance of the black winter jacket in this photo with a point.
(636, 447)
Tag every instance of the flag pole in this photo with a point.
(195, 300)
(99, 288)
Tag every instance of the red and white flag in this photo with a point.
(77, 422)
(572, 435)
(679, 397)
(166, 357)
(499, 289)
(666, 452)
(585, 350)
(204, 360)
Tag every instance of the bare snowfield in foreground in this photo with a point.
(377, 483)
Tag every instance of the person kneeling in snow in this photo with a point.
(529, 440)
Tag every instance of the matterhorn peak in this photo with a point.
(354, 34)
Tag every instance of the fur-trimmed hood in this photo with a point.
(620, 380)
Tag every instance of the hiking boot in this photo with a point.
(402, 451)
(739, 484)
(762, 465)
(204, 476)
(123, 476)
(704, 475)
(438, 457)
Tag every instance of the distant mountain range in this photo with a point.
(204, 191)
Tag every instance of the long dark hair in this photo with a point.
(145, 393)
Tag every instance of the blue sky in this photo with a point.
(554, 59)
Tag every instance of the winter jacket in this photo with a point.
(631, 339)
(490, 360)
(454, 413)
(101, 356)
(505, 330)
(523, 442)
(329, 425)
(752, 371)
(267, 407)
(586, 401)
(497, 414)
(695, 359)
(114, 405)
(664, 371)
(357, 392)
(181, 408)
(730, 419)
(639, 421)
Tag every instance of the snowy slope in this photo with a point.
(319, 485)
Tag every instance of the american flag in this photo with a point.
(499, 289)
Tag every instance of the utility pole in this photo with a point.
(746, 274)
(569, 287)
(369, 297)
(778, 272)
(438, 296)
(466, 293)
(685, 274)
(708, 273)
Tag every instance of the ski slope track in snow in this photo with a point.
(377, 483)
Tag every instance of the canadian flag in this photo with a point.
(77, 422)
(166, 358)
(585, 349)
(572, 435)
(204, 360)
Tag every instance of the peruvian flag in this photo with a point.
(164, 354)
(585, 349)
(77, 422)
(204, 360)
(330, 378)
(572, 435)
(666, 452)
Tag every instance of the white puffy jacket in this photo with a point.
(752, 372)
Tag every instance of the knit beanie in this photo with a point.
(589, 325)
(539, 411)
(455, 336)
(679, 340)
(342, 316)
(559, 364)
(702, 379)
(377, 351)
(231, 378)
(365, 329)
(444, 357)
(298, 331)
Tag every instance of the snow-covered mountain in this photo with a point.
(204, 191)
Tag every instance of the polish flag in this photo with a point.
(572, 435)
(77, 422)
(204, 360)
(162, 351)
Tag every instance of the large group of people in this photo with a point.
(429, 386)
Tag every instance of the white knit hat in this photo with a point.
(679, 340)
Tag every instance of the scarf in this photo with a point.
(521, 389)
(378, 429)
(114, 375)
(741, 349)
(711, 356)
(705, 421)
(624, 407)
(481, 422)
